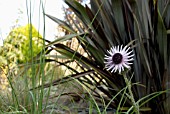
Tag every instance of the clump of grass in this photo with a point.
(105, 24)
(95, 32)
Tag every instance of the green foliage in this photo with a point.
(16, 47)
(143, 25)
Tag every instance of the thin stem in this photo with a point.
(131, 97)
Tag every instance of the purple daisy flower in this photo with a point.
(118, 59)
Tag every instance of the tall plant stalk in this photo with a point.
(131, 96)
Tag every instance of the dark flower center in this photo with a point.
(117, 58)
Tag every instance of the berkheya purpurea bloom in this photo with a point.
(119, 59)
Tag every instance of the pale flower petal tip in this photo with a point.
(118, 59)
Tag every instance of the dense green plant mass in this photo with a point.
(17, 45)
(143, 25)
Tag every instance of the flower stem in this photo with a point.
(131, 97)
